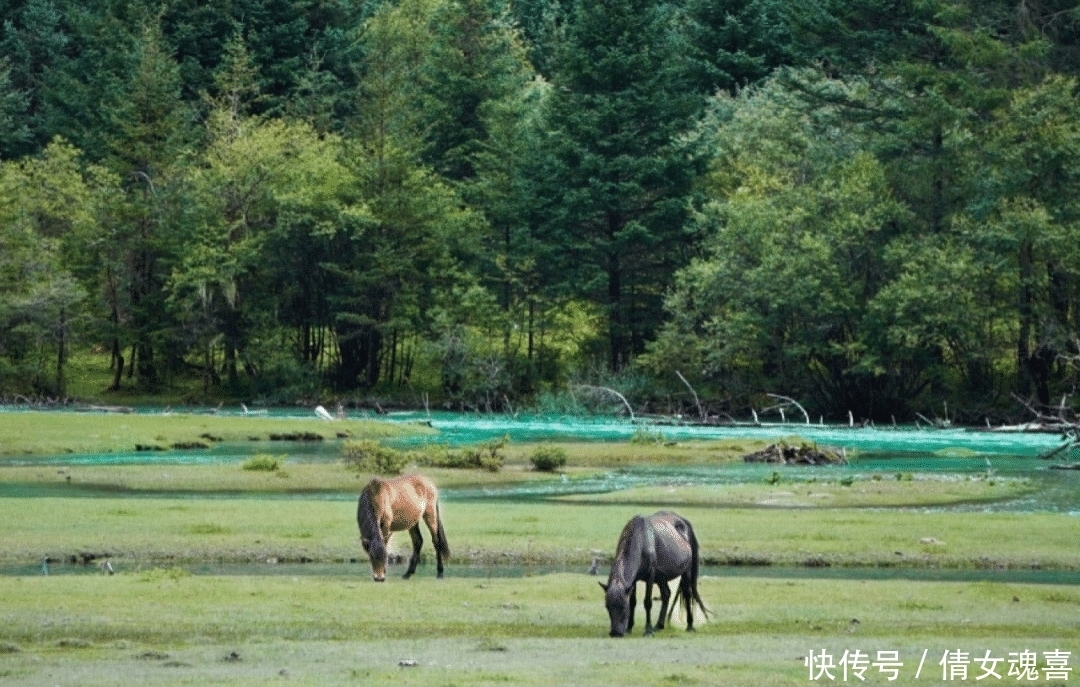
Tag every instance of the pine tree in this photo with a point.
(620, 103)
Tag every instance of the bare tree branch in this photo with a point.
(610, 391)
(696, 400)
(791, 401)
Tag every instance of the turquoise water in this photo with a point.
(458, 428)
(1055, 491)
(942, 454)
(466, 428)
(463, 428)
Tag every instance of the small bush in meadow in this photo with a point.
(548, 458)
(263, 462)
(371, 456)
(486, 456)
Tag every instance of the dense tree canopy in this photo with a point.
(870, 205)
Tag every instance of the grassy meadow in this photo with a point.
(55, 433)
(249, 530)
(162, 627)
(155, 623)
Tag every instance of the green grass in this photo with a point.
(252, 530)
(160, 625)
(157, 607)
(217, 478)
(161, 629)
(44, 433)
(927, 491)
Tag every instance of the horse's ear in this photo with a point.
(602, 586)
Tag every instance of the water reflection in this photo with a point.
(360, 571)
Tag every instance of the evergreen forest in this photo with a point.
(870, 206)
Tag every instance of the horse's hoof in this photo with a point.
(439, 576)
(648, 633)
(406, 576)
(691, 629)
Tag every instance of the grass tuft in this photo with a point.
(264, 462)
(163, 574)
(208, 528)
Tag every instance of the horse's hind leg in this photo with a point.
(431, 518)
(687, 591)
(417, 542)
(665, 597)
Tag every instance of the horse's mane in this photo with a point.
(369, 524)
(623, 552)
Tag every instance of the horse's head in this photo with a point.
(376, 552)
(617, 600)
(371, 538)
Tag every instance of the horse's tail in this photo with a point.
(369, 525)
(441, 545)
(688, 587)
(691, 596)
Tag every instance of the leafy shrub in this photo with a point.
(643, 435)
(548, 458)
(264, 462)
(371, 456)
(486, 456)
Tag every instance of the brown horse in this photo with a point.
(653, 550)
(392, 505)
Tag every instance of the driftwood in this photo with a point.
(108, 409)
(700, 411)
(785, 402)
(805, 454)
(612, 392)
(1051, 424)
(1067, 427)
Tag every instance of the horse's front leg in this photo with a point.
(633, 606)
(648, 608)
(665, 597)
(417, 542)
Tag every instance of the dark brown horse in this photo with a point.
(392, 505)
(653, 550)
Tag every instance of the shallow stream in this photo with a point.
(938, 453)
(923, 452)
(360, 569)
